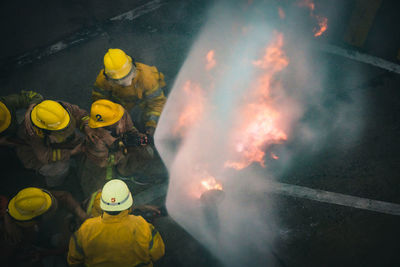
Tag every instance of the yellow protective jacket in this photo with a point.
(145, 92)
(115, 241)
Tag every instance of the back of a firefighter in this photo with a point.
(116, 238)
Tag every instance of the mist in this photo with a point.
(251, 96)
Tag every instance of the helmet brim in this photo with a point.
(7, 120)
(13, 211)
(115, 206)
(97, 124)
(41, 125)
(120, 74)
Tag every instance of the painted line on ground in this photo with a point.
(139, 11)
(76, 38)
(160, 190)
(89, 33)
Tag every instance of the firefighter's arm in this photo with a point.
(46, 154)
(67, 201)
(30, 97)
(76, 255)
(99, 90)
(99, 93)
(156, 244)
(81, 116)
(154, 104)
(22, 100)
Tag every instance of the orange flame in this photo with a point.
(281, 13)
(193, 109)
(260, 125)
(323, 26)
(210, 183)
(307, 3)
(322, 21)
(210, 60)
(202, 181)
(274, 156)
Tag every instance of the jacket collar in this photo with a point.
(107, 218)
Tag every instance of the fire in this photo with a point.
(193, 109)
(281, 13)
(210, 183)
(202, 181)
(274, 156)
(322, 21)
(260, 120)
(210, 60)
(323, 26)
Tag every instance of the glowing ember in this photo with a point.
(193, 109)
(322, 21)
(210, 60)
(323, 26)
(202, 181)
(210, 183)
(281, 13)
(274, 156)
(260, 120)
(307, 3)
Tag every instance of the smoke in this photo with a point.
(250, 96)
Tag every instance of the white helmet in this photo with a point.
(115, 196)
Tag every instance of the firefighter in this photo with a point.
(106, 154)
(36, 218)
(8, 113)
(136, 86)
(93, 209)
(116, 238)
(51, 135)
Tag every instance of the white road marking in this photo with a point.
(139, 11)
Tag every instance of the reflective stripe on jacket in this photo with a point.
(115, 240)
(145, 92)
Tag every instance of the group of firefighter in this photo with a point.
(108, 147)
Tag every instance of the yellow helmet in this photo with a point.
(104, 113)
(117, 64)
(29, 203)
(5, 117)
(50, 115)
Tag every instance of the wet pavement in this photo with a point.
(312, 233)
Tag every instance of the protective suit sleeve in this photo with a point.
(22, 100)
(81, 116)
(76, 255)
(156, 244)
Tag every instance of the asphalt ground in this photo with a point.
(313, 233)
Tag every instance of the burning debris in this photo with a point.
(322, 21)
(260, 120)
